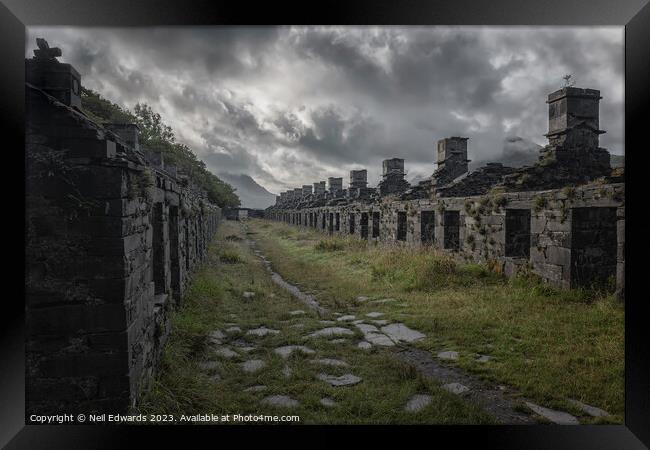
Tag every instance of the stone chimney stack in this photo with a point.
(573, 117)
(297, 193)
(319, 188)
(59, 80)
(452, 159)
(393, 181)
(306, 190)
(358, 179)
(394, 166)
(335, 184)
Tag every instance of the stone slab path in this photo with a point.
(417, 403)
(494, 401)
(498, 401)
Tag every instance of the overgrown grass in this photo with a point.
(230, 256)
(215, 302)
(548, 344)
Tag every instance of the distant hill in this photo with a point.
(251, 194)
(517, 152)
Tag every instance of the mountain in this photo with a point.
(251, 194)
(517, 152)
(617, 161)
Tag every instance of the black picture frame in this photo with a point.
(15, 15)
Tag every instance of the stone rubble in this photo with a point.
(253, 365)
(344, 380)
(286, 351)
(448, 355)
(417, 403)
(262, 331)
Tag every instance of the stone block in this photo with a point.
(71, 319)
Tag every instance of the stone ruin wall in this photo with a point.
(562, 218)
(482, 236)
(113, 236)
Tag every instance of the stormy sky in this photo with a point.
(294, 105)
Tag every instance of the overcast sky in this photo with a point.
(294, 105)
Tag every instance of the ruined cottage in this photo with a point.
(562, 218)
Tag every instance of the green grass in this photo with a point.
(548, 344)
(215, 300)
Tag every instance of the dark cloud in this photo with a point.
(293, 105)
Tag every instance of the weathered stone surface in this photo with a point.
(248, 294)
(367, 328)
(297, 312)
(591, 410)
(253, 365)
(282, 401)
(286, 351)
(374, 314)
(484, 358)
(225, 352)
(449, 355)
(557, 417)
(364, 345)
(330, 362)
(417, 403)
(348, 317)
(344, 380)
(455, 388)
(382, 300)
(262, 331)
(331, 331)
(256, 388)
(326, 401)
(286, 371)
(216, 337)
(337, 341)
(399, 332)
(234, 329)
(326, 322)
(379, 339)
(380, 322)
(362, 298)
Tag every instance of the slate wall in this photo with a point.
(558, 249)
(99, 286)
